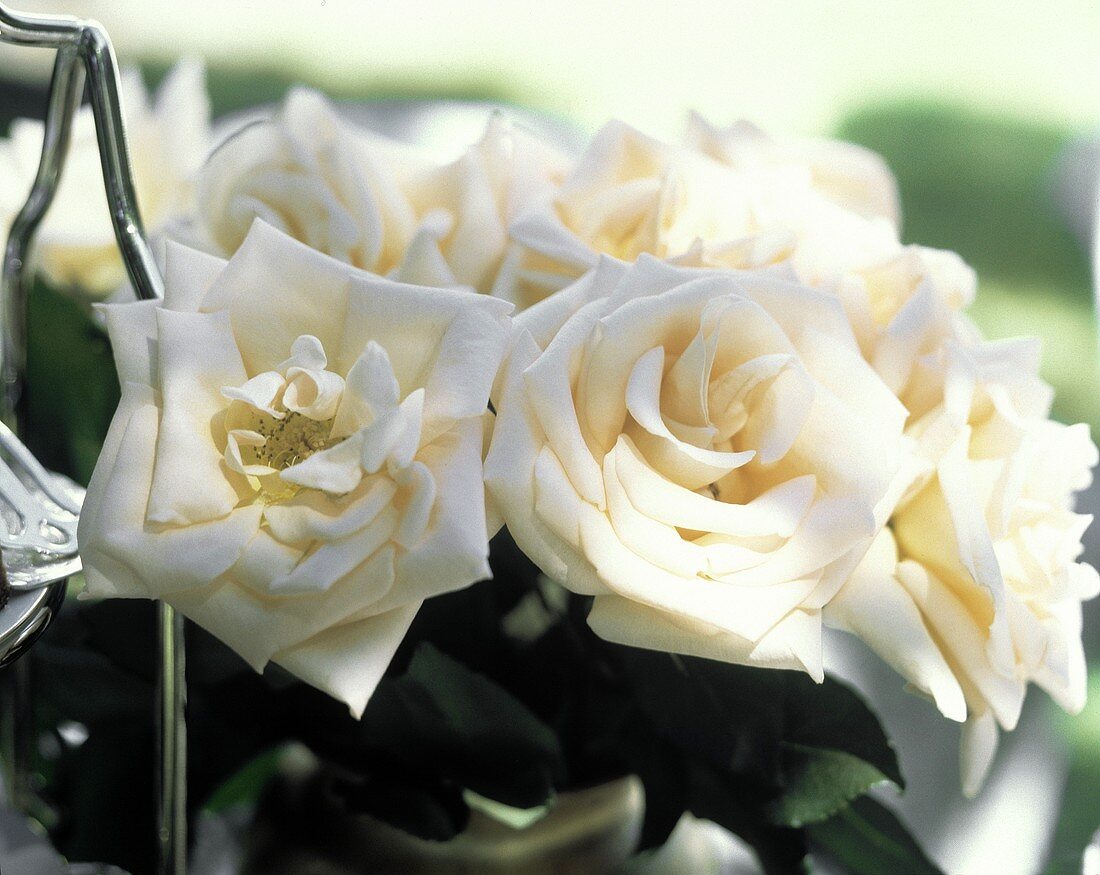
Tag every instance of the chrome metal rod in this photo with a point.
(21, 738)
(172, 749)
(65, 88)
(51, 31)
(103, 78)
(94, 49)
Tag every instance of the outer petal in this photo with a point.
(132, 329)
(188, 276)
(191, 481)
(303, 292)
(412, 326)
(510, 480)
(130, 559)
(348, 661)
(977, 749)
(795, 643)
(873, 606)
(259, 626)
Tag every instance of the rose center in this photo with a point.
(292, 439)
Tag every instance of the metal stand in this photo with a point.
(172, 742)
(84, 48)
(17, 736)
(63, 101)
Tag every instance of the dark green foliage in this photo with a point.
(866, 838)
(761, 752)
(71, 389)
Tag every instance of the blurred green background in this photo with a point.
(972, 104)
(975, 106)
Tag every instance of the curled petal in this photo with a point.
(261, 393)
(313, 393)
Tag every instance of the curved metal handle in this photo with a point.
(89, 42)
(86, 41)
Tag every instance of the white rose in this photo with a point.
(630, 194)
(702, 451)
(851, 176)
(904, 306)
(974, 589)
(168, 140)
(296, 460)
(368, 201)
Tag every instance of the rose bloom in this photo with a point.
(369, 201)
(168, 136)
(759, 207)
(630, 193)
(849, 175)
(704, 452)
(296, 461)
(974, 589)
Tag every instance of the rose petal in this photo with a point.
(310, 515)
(125, 557)
(795, 643)
(348, 661)
(875, 607)
(191, 482)
(776, 512)
(260, 393)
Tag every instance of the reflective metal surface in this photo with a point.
(38, 517)
(84, 42)
(87, 42)
(25, 617)
(38, 512)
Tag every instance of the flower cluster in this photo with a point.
(732, 407)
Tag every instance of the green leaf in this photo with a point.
(739, 807)
(72, 387)
(445, 719)
(778, 750)
(745, 719)
(831, 715)
(246, 784)
(728, 716)
(819, 783)
(104, 789)
(85, 686)
(661, 768)
(867, 838)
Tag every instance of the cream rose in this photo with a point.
(296, 462)
(630, 194)
(974, 589)
(168, 139)
(705, 452)
(851, 176)
(368, 201)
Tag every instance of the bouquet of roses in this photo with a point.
(714, 408)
